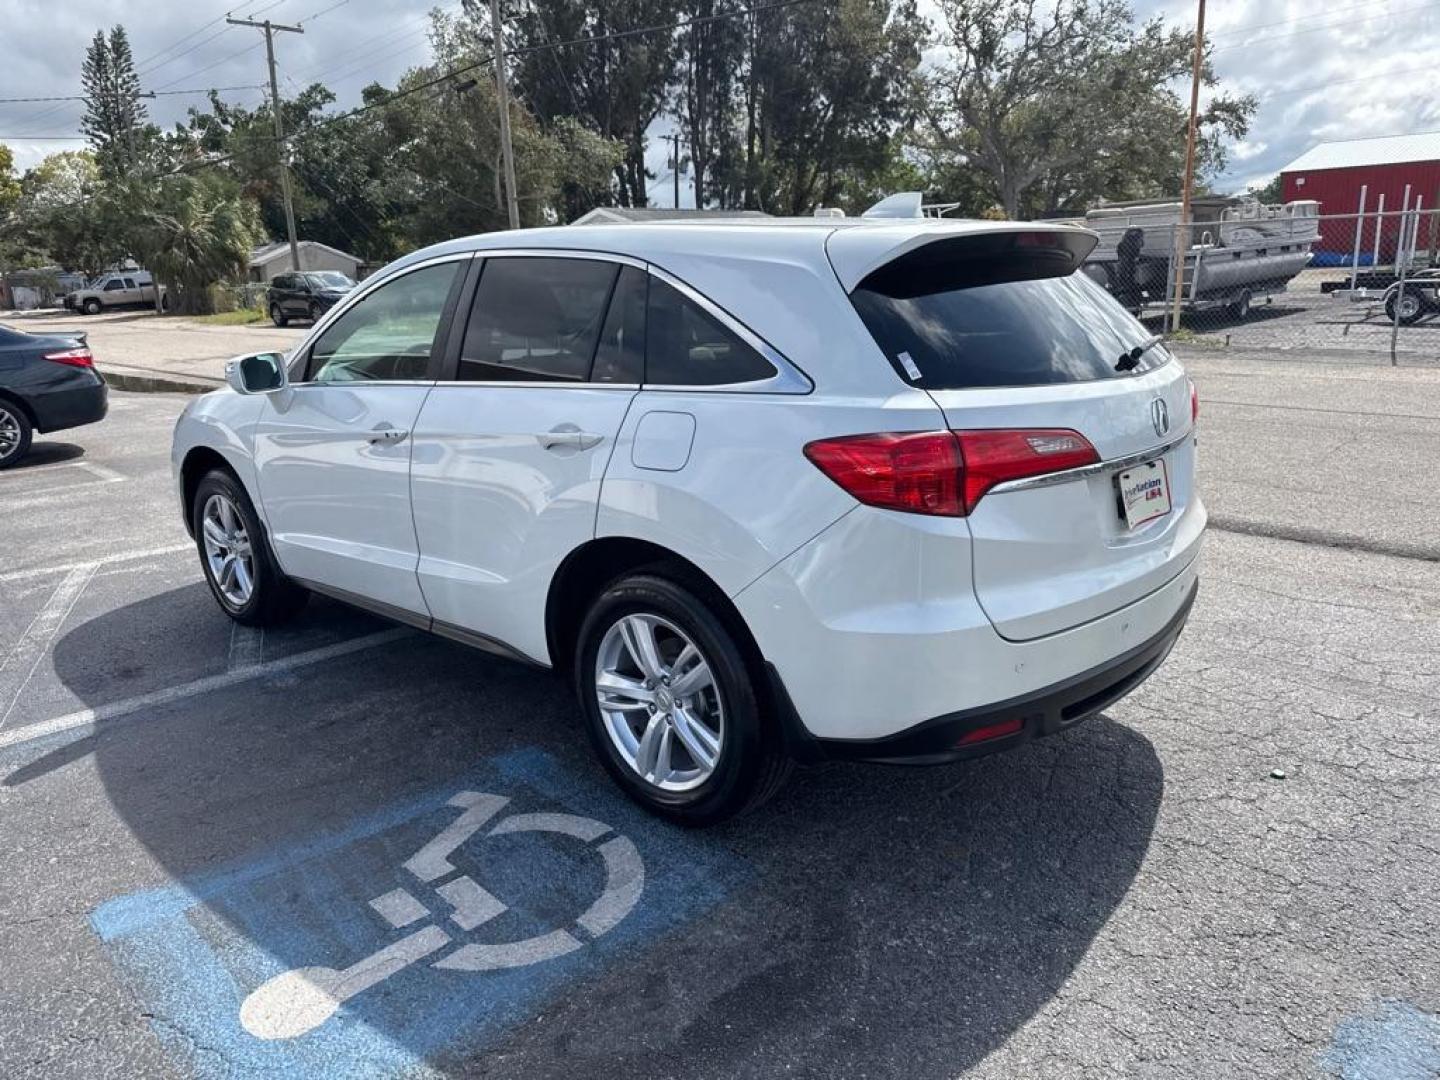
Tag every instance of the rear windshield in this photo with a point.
(949, 329)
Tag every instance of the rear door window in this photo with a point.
(985, 315)
(687, 346)
(536, 320)
(620, 357)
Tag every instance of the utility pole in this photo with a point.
(270, 31)
(674, 140)
(502, 94)
(1182, 229)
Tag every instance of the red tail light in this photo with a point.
(1194, 402)
(993, 457)
(943, 472)
(77, 357)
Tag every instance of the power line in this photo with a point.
(1324, 26)
(486, 61)
(153, 93)
(451, 73)
(1329, 13)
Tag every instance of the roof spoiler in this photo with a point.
(903, 256)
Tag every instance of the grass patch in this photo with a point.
(239, 317)
(1187, 336)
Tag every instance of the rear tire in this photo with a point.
(714, 783)
(1411, 304)
(15, 434)
(235, 555)
(92, 306)
(1240, 308)
(277, 316)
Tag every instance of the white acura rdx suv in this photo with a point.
(766, 490)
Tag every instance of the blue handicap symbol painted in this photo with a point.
(437, 924)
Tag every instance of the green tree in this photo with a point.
(1272, 191)
(615, 88)
(1062, 105)
(198, 233)
(63, 216)
(830, 87)
(114, 118)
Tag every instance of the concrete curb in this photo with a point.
(151, 382)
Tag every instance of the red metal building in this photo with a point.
(1332, 173)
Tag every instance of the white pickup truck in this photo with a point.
(123, 288)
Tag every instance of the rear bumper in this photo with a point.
(1038, 713)
(71, 406)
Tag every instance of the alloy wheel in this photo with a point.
(659, 702)
(9, 433)
(228, 553)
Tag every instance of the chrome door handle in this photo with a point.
(387, 436)
(569, 437)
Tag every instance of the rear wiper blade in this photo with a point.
(1130, 360)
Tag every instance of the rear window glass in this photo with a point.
(687, 346)
(944, 330)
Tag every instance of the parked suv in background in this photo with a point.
(903, 491)
(126, 288)
(305, 295)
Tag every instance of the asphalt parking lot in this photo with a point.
(190, 810)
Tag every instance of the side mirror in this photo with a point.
(257, 373)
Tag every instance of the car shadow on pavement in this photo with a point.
(46, 452)
(868, 921)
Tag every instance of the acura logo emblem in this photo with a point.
(1160, 416)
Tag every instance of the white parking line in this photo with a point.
(62, 495)
(63, 568)
(247, 646)
(30, 648)
(172, 694)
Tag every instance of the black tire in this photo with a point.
(277, 316)
(15, 433)
(752, 765)
(164, 302)
(274, 598)
(1240, 308)
(315, 314)
(1413, 296)
(91, 306)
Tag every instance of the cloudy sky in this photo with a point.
(1334, 71)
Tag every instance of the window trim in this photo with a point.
(300, 357)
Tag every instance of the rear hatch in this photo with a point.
(1005, 336)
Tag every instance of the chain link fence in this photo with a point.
(1363, 287)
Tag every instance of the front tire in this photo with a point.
(1240, 308)
(315, 314)
(15, 434)
(239, 567)
(92, 306)
(670, 704)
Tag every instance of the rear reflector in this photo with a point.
(77, 357)
(991, 731)
(943, 473)
(1194, 402)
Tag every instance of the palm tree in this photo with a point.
(201, 236)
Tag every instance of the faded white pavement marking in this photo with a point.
(30, 649)
(172, 694)
(63, 494)
(247, 646)
(106, 560)
(298, 1001)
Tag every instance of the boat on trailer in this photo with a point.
(1237, 250)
